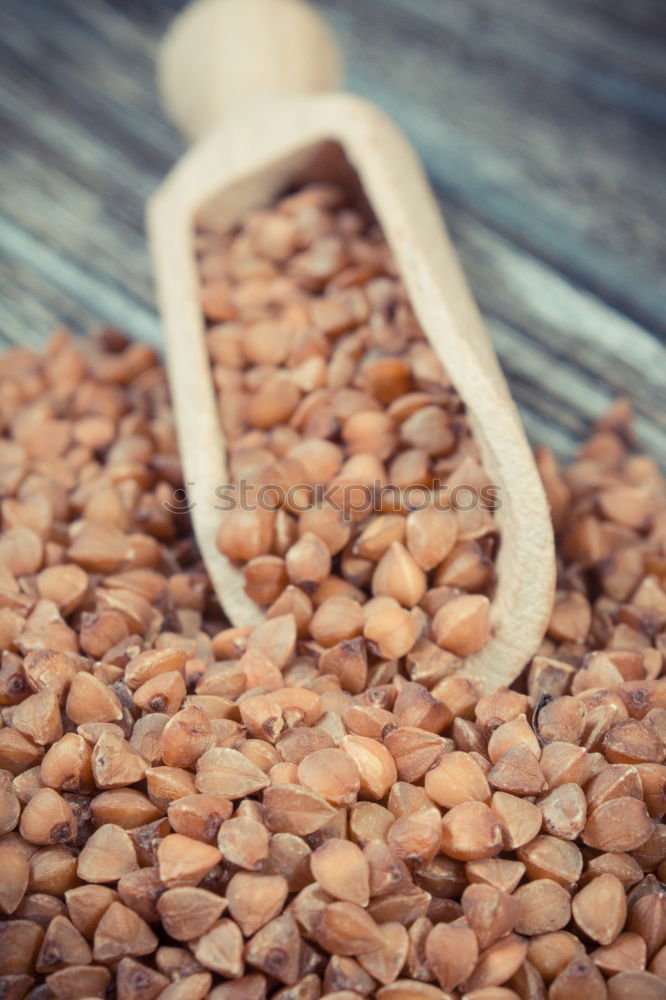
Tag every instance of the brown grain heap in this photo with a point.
(360, 499)
(190, 810)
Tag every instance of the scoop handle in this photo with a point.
(219, 55)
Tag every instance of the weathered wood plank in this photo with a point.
(563, 350)
(511, 127)
(535, 120)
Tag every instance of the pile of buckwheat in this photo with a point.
(367, 513)
(191, 810)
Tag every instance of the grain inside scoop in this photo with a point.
(245, 81)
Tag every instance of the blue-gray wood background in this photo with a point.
(541, 124)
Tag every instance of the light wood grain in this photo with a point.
(221, 55)
(245, 162)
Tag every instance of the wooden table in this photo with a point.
(539, 123)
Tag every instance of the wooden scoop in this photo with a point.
(241, 77)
